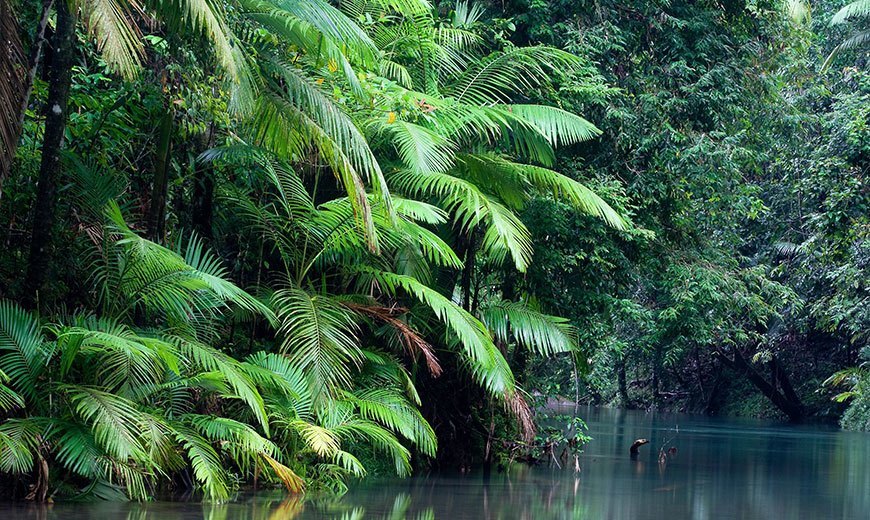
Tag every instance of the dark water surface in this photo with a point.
(723, 469)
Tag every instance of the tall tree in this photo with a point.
(56, 106)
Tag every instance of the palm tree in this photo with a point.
(453, 136)
(113, 404)
(341, 282)
(118, 407)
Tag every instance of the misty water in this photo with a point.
(722, 469)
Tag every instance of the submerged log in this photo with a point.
(635, 445)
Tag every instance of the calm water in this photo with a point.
(723, 469)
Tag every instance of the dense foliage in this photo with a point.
(293, 241)
(744, 162)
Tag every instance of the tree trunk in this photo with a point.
(203, 191)
(657, 376)
(468, 270)
(792, 408)
(157, 211)
(711, 406)
(52, 144)
(622, 384)
(784, 382)
(35, 58)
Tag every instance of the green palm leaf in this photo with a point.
(858, 9)
(164, 282)
(19, 439)
(420, 148)
(391, 409)
(558, 126)
(504, 233)
(111, 22)
(484, 359)
(116, 423)
(211, 360)
(495, 78)
(535, 331)
(319, 335)
(22, 352)
(205, 461)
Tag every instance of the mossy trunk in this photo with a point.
(163, 156)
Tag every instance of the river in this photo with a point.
(722, 469)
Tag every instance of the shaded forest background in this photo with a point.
(749, 165)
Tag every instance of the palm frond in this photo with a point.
(207, 18)
(211, 360)
(413, 342)
(392, 410)
(121, 359)
(208, 469)
(162, 281)
(542, 333)
(852, 10)
(333, 24)
(19, 439)
(321, 440)
(359, 8)
(380, 438)
(495, 78)
(13, 88)
(115, 422)
(278, 122)
(118, 37)
(9, 399)
(420, 148)
(467, 13)
(240, 441)
(562, 188)
(22, 352)
(558, 126)
(79, 453)
(293, 482)
(859, 39)
(484, 359)
(504, 232)
(319, 334)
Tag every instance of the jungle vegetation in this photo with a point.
(279, 242)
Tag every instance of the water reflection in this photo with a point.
(722, 469)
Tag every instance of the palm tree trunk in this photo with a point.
(469, 260)
(157, 211)
(59, 77)
(203, 191)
